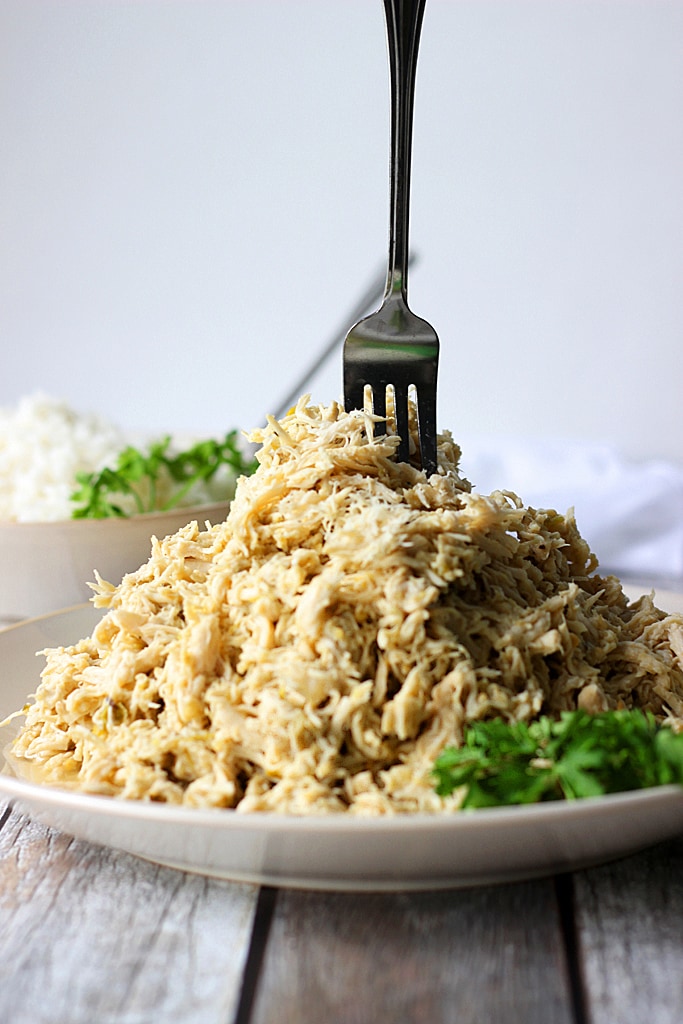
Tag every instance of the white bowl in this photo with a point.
(47, 566)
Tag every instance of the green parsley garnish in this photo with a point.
(577, 755)
(156, 479)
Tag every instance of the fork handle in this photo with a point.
(404, 22)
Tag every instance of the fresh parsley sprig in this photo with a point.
(141, 475)
(577, 755)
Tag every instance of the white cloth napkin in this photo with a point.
(630, 513)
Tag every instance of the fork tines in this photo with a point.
(384, 371)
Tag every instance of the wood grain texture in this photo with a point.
(93, 935)
(629, 922)
(484, 956)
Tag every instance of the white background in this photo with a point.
(193, 194)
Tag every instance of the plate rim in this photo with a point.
(272, 821)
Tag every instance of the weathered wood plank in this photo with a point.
(629, 920)
(493, 955)
(89, 934)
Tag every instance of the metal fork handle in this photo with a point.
(404, 22)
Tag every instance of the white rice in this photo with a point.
(43, 445)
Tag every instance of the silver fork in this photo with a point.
(393, 348)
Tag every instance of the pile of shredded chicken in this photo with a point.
(316, 651)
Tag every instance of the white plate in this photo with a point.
(335, 852)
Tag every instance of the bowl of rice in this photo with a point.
(50, 558)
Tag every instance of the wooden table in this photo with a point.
(96, 936)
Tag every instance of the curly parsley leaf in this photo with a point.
(577, 755)
(141, 475)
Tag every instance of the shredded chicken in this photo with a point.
(316, 651)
